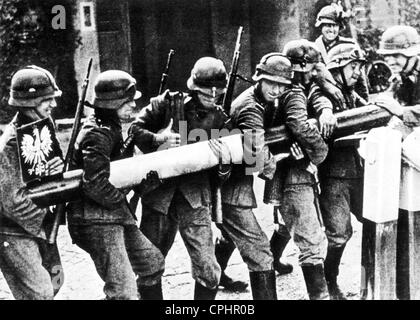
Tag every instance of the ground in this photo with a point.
(82, 282)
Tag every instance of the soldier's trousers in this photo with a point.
(119, 253)
(195, 228)
(242, 227)
(304, 223)
(32, 267)
(339, 198)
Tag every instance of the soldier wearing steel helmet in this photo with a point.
(183, 203)
(31, 267)
(250, 111)
(101, 222)
(272, 100)
(330, 20)
(400, 46)
(341, 174)
(293, 187)
(305, 58)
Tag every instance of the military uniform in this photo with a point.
(101, 222)
(251, 111)
(405, 40)
(184, 202)
(296, 198)
(332, 14)
(293, 186)
(180, 202)
(30, 265)
(341, 177)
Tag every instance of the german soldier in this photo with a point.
(31, 267)
(294, 186)
(330, 21)
(101, 222)
(400, 46)
(341, 174)
(184, 202)
(252, 110)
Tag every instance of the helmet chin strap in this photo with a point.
(409, 66)
(343, 80)
(38, 113)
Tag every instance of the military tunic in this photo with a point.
(31, 266)
(292, 188)
(101, 222)
(361, 86)
(182, 202)
(341, 177)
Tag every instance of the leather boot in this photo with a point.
(203, 293)
(232, 285)
(151, 292)
(278, 243)
(331, 267)
(316, 285)
(263, 285)
(223, 251)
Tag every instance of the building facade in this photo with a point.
(136, 35)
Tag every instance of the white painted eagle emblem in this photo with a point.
(35, 149)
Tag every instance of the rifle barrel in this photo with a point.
(166, 72)
(61, 207)
(227, 100)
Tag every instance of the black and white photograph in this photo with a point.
(230, 150)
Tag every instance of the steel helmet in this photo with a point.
(274, 67)
(31, 85)
(207, 75)
(301, 53)
(344, 53)
(404, 40)
(113, 88)
(332, 14)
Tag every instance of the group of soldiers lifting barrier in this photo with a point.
(328, 138)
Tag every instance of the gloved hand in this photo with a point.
(148, 184)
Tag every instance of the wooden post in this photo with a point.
(382, 153)
(378, 277)
(408, 246)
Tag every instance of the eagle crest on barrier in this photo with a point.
(37, 144)
(36, 148)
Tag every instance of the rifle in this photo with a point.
(126, 149)
(60, 209)
(165, 72)
(233, 74)
(217, 213)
